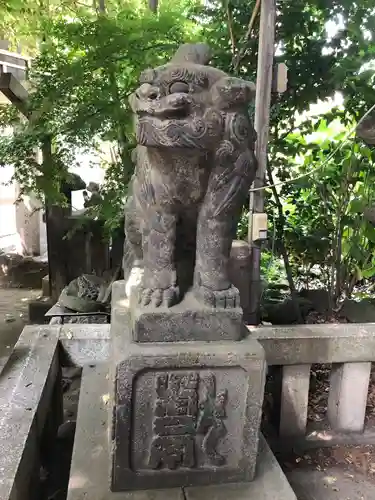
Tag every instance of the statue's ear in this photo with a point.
(230, 92)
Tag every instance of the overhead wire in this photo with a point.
(344, 140)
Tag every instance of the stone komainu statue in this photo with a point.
(194, 166)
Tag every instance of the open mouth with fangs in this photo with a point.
(166, 114)
(173, 107)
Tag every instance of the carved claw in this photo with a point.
(222, 299)
(157, 297)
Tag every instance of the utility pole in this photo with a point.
(257, 217)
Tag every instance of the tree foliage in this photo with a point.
(88, 63)
(80, 84)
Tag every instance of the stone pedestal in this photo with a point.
(89, 468)
(184, 413)
(188, 320)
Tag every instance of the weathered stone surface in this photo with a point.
(195, 163)
(118, 293)
(294, 400)
(349, 383)
(85, 344)
(37, 310)
(26, 388)
(187, 414)
(300, 344)
(188, 320)
(269, 483)
(358, 311)
(324, 343)
(45, 286)
(89, 478)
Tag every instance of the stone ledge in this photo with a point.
(26, 386)
(300, 344)
(186, 321)
(325, 343)
(85, 344)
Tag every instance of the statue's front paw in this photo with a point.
(158, 297)
(222, 299)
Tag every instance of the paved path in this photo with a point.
(332, 484)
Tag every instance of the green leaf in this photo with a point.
(370, 233)
(356, 206)
(369, 272)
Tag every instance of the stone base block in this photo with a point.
(38, 309)
(188, 320)
(187, 414)
(90, 464)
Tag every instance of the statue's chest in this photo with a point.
(191, 180)
(183, 180)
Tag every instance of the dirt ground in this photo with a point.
(13, 316)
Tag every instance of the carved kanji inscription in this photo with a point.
(188, 414)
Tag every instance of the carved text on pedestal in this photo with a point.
(188, 413)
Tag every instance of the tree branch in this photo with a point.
(237, 60)
(284, 252)
(230, 27)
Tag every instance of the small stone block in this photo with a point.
(187, 414)
(188, 320)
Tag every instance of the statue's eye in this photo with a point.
(179, 88)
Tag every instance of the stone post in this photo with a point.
(348, 396)
(294, 400)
